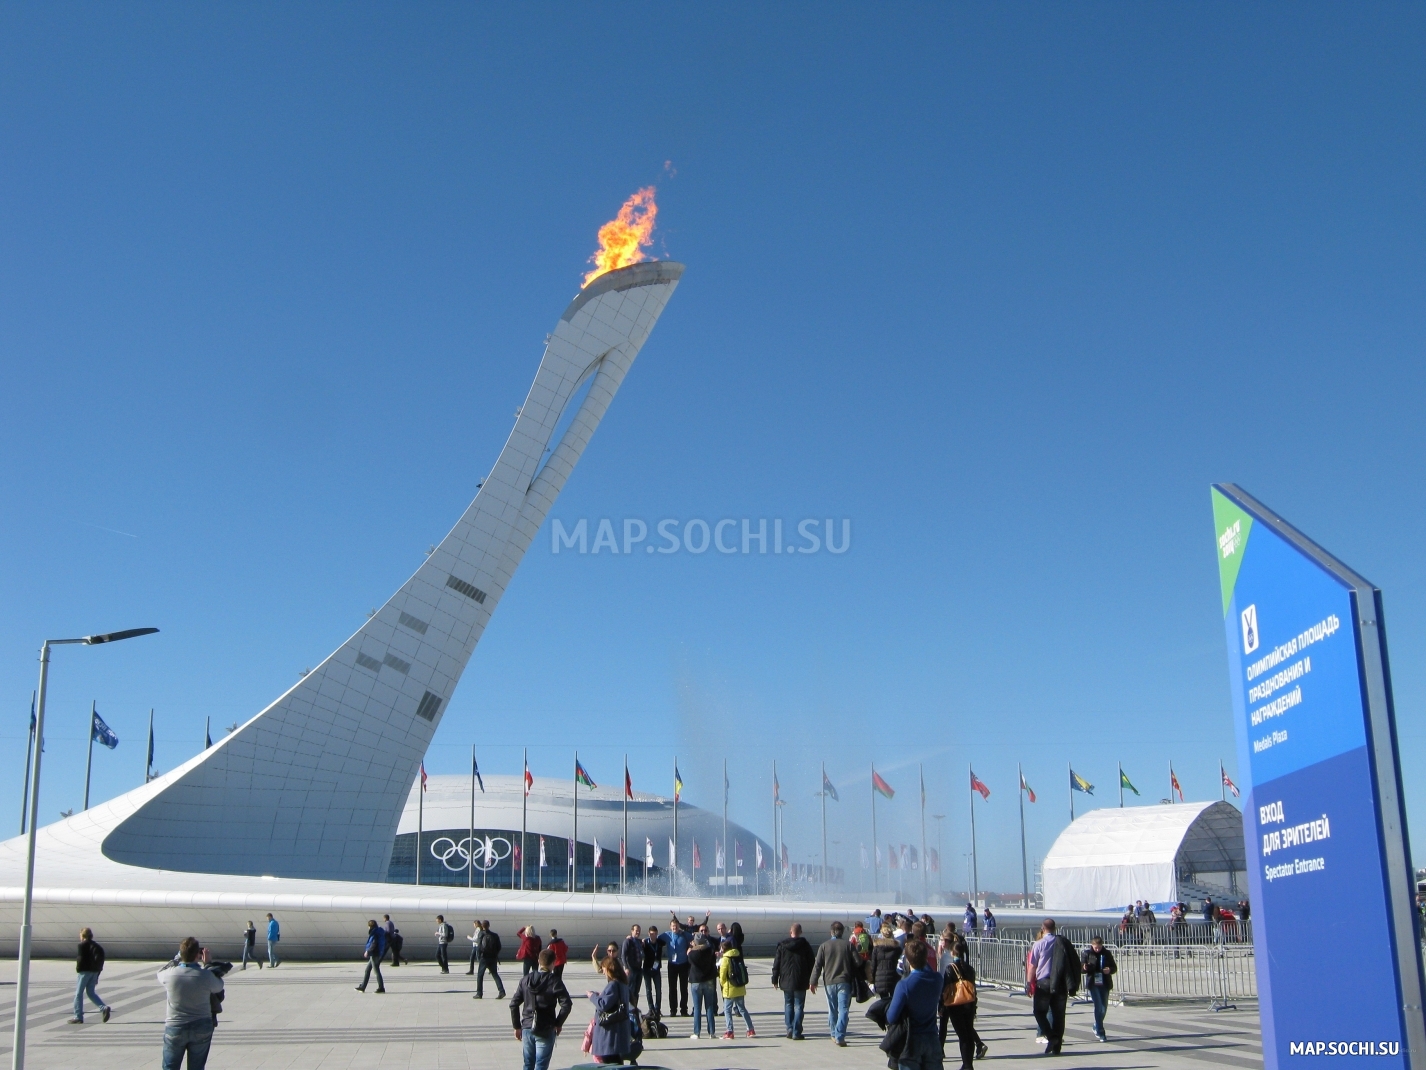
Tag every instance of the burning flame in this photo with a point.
(623, 239)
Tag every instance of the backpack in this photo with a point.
(98, 956)
(491, 948)
(654, 1029)
(737, 971)
(447, 933)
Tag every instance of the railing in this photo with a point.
(1218, 972)
(1186, 933)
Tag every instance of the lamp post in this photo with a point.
(22, 985)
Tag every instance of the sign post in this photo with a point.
(1324, 818)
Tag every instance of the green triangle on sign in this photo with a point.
(1231, 525)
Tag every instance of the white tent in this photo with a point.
(1162, 854)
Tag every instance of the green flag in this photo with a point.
(1124, 782)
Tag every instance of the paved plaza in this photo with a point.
(307, 1016)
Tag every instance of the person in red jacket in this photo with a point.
(530, 946)
(561, 950)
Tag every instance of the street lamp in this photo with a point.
(22, 985)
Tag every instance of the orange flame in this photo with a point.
(623, 239)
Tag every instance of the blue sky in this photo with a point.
(1007, 287)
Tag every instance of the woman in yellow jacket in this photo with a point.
(733, 980)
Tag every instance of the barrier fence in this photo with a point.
(1164, 934)
(1220, 972)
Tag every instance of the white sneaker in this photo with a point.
(1042, 1040)
(694, 1036)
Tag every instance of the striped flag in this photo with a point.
(976, 784)
(1078, 783)
(583, 777)
(1026, 788)
(881, 785)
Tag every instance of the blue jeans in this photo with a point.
(1100, 995)
(195, 1039)
(839, 1003)
(272, 952)
(87, 981)
(735, 1003)
(793, 1004)
(923, 1052)
(538, 1051)
(250, 952)
(705, 999)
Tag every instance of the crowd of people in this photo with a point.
(918, 984)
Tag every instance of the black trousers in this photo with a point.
(653, 988)
(494, 967)
(443, 957)
(1050, 1017)
(636, 978)
(962, 1018)
(678, 988)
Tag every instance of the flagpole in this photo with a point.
(1024, 867)
(624, 843)
(148, 769)
(776, 839)
(29, 758)
(824, 823)
(1071, 793)
(925, 885)
(89, 759)
(673, 875)
(1121, 785)
(574, 843)
(524, 810)
(974, 862)
(725, 827)
(1170, 783)
(875, 864)
(420, 816)
(470, 843)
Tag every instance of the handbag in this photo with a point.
(588, 1045)
(961, 993)
(863, 992)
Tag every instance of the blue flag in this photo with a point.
(101, 733)
(475, 772)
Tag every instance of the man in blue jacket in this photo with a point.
(917, 1000)
(677, 940)
(374, 952)
(274, 934)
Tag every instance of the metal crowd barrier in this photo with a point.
(1219, 973)
(1188, 933)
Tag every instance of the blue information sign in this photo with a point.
(1324, 820)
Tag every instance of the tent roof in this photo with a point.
(1203, 835)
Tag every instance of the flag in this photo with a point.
(758, 852)
(865, 861)
(597, 852)
(1078, 783)
(904, 863)
(786, 865)
(101, 733)
(922, 774)
(829, 789)
(581, 777)
(725, 784)
(570, 844)
(150, 765)
(891, 858)
(207, 735)
(933, 860)
(720, 859)
(881, 785)
(1173, 783)
(737, 855)
(628, 784)
(915, 858)
(877, 849)
(672, 853)
(1227, 783)
(475, 772)
(697, 857)
(1026, 788)
(529, 780)
(1124, 782)
(517, 856)
(776, 789)
(543, 863)
(623, 856)
(648, 854)
(677, 784)
(423, 768)
(976, 784)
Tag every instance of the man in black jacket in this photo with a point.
(538, 1011)
(489, 960)
(1099, 971)
(631, 957)
(89, 964)
(791, 971)
(653, 971)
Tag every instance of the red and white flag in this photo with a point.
(976, 784)
(1228, 783)
(1026, 788)
(529, 780)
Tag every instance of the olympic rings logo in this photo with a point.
(488, 852)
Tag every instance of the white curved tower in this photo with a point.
(314, 785)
